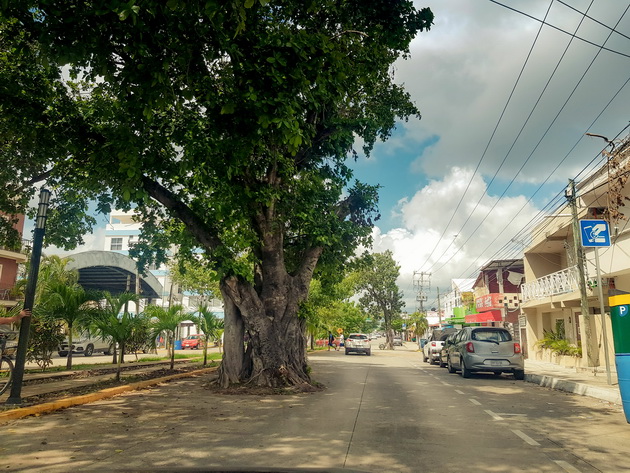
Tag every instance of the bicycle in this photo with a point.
(8, 345)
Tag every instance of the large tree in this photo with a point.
(379, 294)
(227, 125)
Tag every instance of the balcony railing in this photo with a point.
(24, 247)
(560, 282)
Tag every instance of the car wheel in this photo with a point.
(369, 352)
(450, 366)
(63, 353)
(519, 374)
(109, 351)
(465, 371)
(442, 364)
(89, 350)
(347, 352)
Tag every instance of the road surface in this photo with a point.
(388, 412)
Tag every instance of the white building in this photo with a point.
(453, 299)
(121, 233)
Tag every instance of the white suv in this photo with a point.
(86, 345)
(358, 343)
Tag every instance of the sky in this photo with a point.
(506, 101)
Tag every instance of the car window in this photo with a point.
(358, 337)
(492, 335)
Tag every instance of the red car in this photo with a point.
(193, 342)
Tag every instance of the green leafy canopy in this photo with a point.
(221, 122)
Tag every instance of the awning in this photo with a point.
(482, 317)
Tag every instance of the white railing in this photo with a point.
(559, 282)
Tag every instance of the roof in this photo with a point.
(463, 285)
(113, 272)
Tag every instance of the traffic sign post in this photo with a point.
(595, 234)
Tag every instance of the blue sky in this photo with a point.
(502, 100)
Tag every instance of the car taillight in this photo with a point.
(517, 347)
(433, 344)
(470, 348)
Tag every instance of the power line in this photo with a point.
(496, 127)
(593, 19)
(540, 96)
(560, 29)
(538, 144)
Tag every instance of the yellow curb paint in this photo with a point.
(92, 397)
(619, 299)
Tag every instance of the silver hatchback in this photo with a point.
(489, 349)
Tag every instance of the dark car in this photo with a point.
(444, 350)
(487, 349)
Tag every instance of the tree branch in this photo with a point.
(205, 235)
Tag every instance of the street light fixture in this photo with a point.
(29, 297)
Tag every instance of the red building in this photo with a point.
(497, 292)
(10, 259)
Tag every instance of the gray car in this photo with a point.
(488, 349)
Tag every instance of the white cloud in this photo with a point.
(462, 71)
(426, 244)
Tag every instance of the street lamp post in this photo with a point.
(29, 298)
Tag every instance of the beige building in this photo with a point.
(552, 294)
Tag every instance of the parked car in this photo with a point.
(358, 343)
(433, 347)
(489, 349)
(397, 342)
(193, 342)
(87, 344)
(444, 350)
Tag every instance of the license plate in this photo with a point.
(496, 363)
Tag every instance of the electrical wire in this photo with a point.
(496, 127)
(560, 29)
(593, 19)
(540, 96)
(536, 147)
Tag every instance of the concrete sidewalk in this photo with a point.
(592, 383)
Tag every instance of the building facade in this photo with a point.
(10, 259)
(554, 299)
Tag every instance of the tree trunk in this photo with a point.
(275, 355)
(233, 349)
(70, 349)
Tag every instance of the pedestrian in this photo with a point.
(15, 318)
(331, 340)
(341, 340)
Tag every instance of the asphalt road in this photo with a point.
(389, 412)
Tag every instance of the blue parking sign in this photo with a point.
(594, 233)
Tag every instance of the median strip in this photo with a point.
(92, 397)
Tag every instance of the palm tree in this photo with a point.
(420, 323)
(115, 322)
(167, 320)
(52, 269)
(210, 326)
(71, 304)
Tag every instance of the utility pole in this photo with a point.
(572, 199)
(438, 307)
(420, 280)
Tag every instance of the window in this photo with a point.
(116, 244)
(492, 335)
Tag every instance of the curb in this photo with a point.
(573, 387)
(92, 397)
